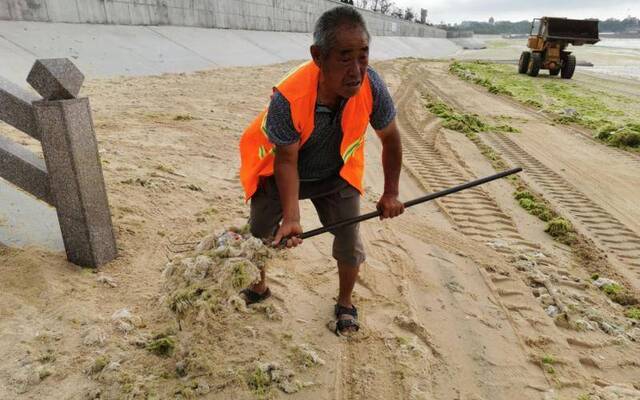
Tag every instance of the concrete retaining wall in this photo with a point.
(108, 50)
(261, 15)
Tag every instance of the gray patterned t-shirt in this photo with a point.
(319, 157)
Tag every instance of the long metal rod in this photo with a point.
(410, 203)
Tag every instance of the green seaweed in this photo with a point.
(259, 382)
(618, 294)
(240, 278)
(633, 313)
(162, 345)
(99, 363)
(567, 102)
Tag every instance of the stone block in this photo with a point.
(76, 180)
(24, 169)
(55, 78)
(15, 108)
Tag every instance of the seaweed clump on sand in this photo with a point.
(208, 279)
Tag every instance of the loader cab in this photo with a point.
(536, 25)
(536, 40)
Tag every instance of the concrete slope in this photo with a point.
(107, 50)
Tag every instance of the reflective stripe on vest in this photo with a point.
(300, 87)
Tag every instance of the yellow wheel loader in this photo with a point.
(548, 41)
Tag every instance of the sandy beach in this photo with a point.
(463, 298)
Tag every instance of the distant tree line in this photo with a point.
(524, 27)
(387, 7)
(620, 25)
(497, 28)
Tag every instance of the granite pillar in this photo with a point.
(76, 181)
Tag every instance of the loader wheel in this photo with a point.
(554, 72)
(534, 64)
(568, 67)
(523, 64)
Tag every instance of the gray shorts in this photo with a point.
(334, 200)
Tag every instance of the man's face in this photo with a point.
(344, 68)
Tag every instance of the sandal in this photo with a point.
(252, 297)
(342, 324)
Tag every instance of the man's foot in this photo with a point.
(347, 320)
(251, 296)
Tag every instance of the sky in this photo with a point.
(455, 11)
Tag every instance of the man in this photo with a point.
(309, 145)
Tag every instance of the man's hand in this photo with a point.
(290, 230)
(389, 206)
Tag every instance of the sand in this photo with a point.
(463, 298)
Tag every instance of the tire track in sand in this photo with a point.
(479, 216)
(612, 234)
(473, 211)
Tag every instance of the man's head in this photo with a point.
(341, 50)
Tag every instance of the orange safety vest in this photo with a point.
(300, 88)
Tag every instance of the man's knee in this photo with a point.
(347, 247)
(263, 226)
(265, 217)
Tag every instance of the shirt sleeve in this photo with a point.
(384, 111)
(279, 125)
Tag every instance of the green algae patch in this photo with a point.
(241, 277)
(548, 360)
(534, 204)
(162, 345)
(633, 313)
(562, 231)
(611, 117)
(456, 121)
(465, 122)
(99, 364)
(621, 295)
(626, 136)
(259, 382)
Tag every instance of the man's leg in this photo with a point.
(266, 214)
(347, 245)
(347, 275)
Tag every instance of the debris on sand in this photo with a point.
(124, 321)
(600, 282)
(271, 311)
(307, 357)
(267, 375)
(162, 345)
(106, 280)
(94, 336)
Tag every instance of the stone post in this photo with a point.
(73, 164)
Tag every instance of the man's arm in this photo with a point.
(392, 165)
(286, 173)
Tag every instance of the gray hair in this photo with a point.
(324, 33)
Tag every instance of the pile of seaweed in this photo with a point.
(206, 282)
